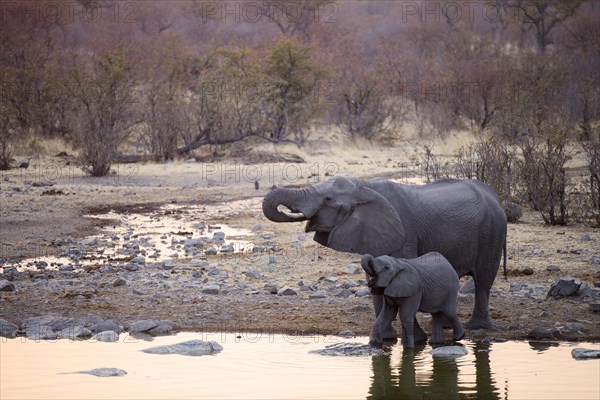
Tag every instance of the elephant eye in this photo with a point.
(328, 199)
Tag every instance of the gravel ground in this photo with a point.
(102, 236)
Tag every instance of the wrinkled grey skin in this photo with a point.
(461, 219)
(427, 283)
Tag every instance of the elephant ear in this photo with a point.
(372, 226)
(406, 283)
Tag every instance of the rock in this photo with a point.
(329, 279)
(272, 289)
(468, 286)
(595, 307)
(162, 329)
(316, 296)
(586, 291)
(585, 238)
(196, 262)
(553, 268)
(526, 270)
(189, 348)
(8, 329)
(349, 349)
(201, 225)
(103, 372)
(106, 336)
(350, 284)
(196, 242)
(228, 248)
(517, 286)
(287, 291)
(65, 268)
(218, 237)
(211, 251)
(167, 265)
(6, 286)
(211, 289)
(347, 334)
(48, 327)
(256, 228)
(596, 259)
(132, 267)
(119, 282)
(93, 241)
(344, 293)
(352, 269)
(214, 271)
(572, 327)
(565, 286)
(108, 325)
(540, 332)
(579, 353)
(597, 284)
(75, 332)
(139, 260)
(253, 274)
(449, 351)
(513, 211)
(143, 325)
(362, 292)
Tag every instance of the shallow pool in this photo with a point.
(274, 366)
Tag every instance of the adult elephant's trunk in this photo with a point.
(293, 199)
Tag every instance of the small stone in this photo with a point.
(553, 268)
(347, 334)
(565, 286)
(132, 267)
(272, 289)
(119, 282)
(316, 296)
(139, 260)
(596, 259)
(540, 332)
(527, 270)
(218, 237)
(65, 268)
(143, 325)
(287, 291)
(597, 284)
(189, 348)
(449, 351)
(329, 279)
(362, 292)
(196, 262)
(253, 274)
(344, 293)
(211, 289)
(579, 353)
(256, 228)
(517, 286)
(585, 238)
(6, 286)
(75, 332)
(352, 269)
(214, 271)
(228, 248)
(108, 325)
(167, 265)
(595, 307)
(106, 336)
(162, 329)
(211, 251)
(468, 286)
(103, 372)
(7, 329)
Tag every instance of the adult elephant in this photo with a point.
(461, 219)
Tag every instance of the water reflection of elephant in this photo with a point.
(442, 382)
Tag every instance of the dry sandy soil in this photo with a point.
(35, 223)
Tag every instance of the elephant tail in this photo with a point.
(504, 251)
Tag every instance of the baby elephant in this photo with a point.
(428, 284)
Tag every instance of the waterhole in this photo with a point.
(169, 232)
(275, 366)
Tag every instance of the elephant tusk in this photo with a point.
(291, 214)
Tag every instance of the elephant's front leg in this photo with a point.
(407, 316)
(418, 333)
(385, 317)
(388, 333)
